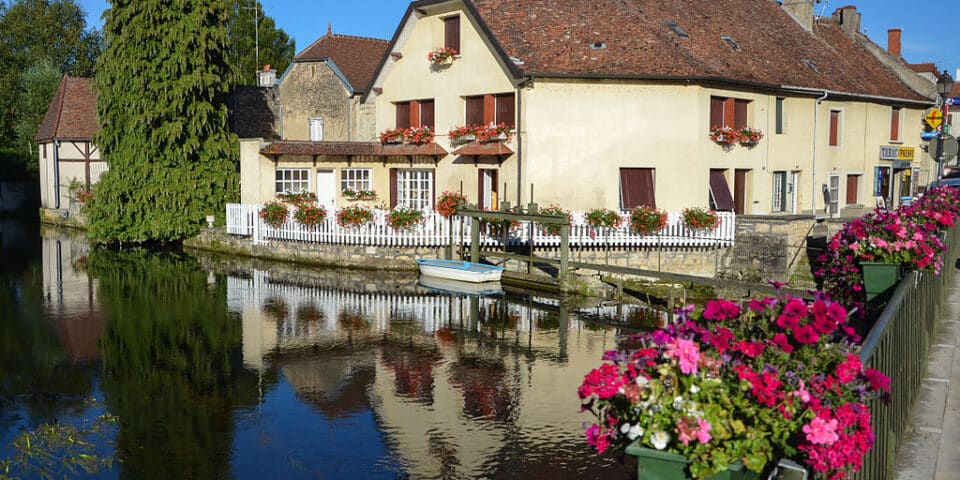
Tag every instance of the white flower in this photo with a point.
(694, 389)
(644, 404)
(677, 402)
(625, 428)
(642, 381)
(660, 439)
(634, 432)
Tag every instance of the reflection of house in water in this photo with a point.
(456, 384)
(70, 295)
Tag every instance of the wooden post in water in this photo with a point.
(474, 240)
(564, 250)
(448, 251)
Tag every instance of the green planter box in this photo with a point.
(659, 465)
(878, 277)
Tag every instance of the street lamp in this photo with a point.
(944, 86)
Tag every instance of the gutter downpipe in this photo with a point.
(520, 86)
(813, 179)
(56, 172)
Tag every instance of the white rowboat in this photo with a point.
(460, 270)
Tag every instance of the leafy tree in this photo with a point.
(161, 85)
(38, 85)
(276, 47)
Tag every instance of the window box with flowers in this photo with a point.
(310, 215)
(274, 214)
(442, 56)
(418, 135)
(556, 211)
(647, 220)
(495, 227)
(750, 136)
(359, 195)
(392, 136)
(450, 202)
(603, 218)
(700, 218)
(495, 133)
(725, 136)
(354, 216)
(297, 199)
(402, 218)
(463, 134)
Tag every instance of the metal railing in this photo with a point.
(898, 345)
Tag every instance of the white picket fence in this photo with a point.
(436, 231)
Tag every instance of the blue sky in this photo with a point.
(923, 40)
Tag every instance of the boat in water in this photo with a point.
(460, 270)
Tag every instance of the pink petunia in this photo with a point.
(821, 432)
(687, 352)
(806, 334)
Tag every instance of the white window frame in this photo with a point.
(315, 129)
(780, 192)
(356, 179)
(899, 138)
(415, 188)
(292, 180)
(833, 208)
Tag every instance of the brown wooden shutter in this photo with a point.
(505, 109)
(729, 112)
(834, 127)
(720, 191)
(637, 188)
(740, 113)
(393, 188)
(474, 111)
(894, 123)
(426, 113)
(480, 202)
(716, 112)
(489, 109)
(853, 187)
(403, 115)
(451, 33)
(739, 191)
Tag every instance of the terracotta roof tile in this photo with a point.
(298, 147)
(925, 67)
(559, 37)
(492, 148)
(72, 113)
(356, 57)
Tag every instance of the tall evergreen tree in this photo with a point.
(161, 84)
(275, 47)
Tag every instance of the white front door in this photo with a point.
(327, 189)
(792, 191)
(834, 207)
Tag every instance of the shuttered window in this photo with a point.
(505, 109)
(740, 113)
(895, 124)
(426, 113)
(716, 112)
(834, 128)
(474, 111)
(720, 197)
(451, 33)
(486, 109)
(779, 107)
(403, 114)
(637, 188)
(853, 188)
(728, 112)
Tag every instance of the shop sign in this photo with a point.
(893, 152)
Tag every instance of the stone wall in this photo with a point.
(254, 112)
(311, 89)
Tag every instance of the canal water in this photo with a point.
(224, 368)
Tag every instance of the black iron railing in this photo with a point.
(898, 345)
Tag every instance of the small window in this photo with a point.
(292, 180)
(415, 113)
(504, 112)
(728, 112)
(895, 124)
(316, 129)
(853, 189)
(451, 33)
(779, 113)
(355, 179)
(834, 128)
(637, 188)
(426, 113)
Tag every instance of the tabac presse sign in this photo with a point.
(893, 152)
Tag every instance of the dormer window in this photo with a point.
(676, 29)
(730, 41)
(598, 45)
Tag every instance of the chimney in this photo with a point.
(266, 77)
(893, 41)
(801, 11)
(848, 18)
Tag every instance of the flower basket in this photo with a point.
(554, 210)
(750, 136)
(442, 56)
(603, 218)
(700, 219)
(310, 215)
(449, 203)
(495, 133)
(725, 136)
(392, 136)
(274, 214)
(359, 195)
(402, 218)
(647, 220)
(463, 134)
(879, 277)
(354, 216)
(418, 135)
(297, 199)
(659, 465)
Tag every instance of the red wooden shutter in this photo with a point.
(716, 112)
(740, 113)
(853, 185)
(729, 112)
(426, 113)
(474, 111)
(834, 127)
(894, 123)
(451, 33)
(403, 115)
(648, 194)
(414, 113)
(636, 188)
(739, 191)
(489, 109)
(393, 188)
(505, 109)
(720, 191)
(480, 202)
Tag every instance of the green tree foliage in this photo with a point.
(276, 47)
(37, 86)
(161, 84)
(33, 32)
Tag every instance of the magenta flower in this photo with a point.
(688, 353)
(821, 432)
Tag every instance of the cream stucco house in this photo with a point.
(613, 106)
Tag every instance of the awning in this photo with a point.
(300, 147)
(490, 148)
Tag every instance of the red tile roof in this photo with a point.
(925, 67)
(72, 113)
(356, 57)
(491, 148)
(299, 147)
(561, 37)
